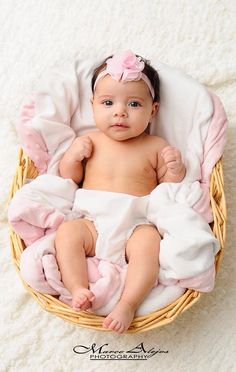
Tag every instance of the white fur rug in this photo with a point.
(200, 38)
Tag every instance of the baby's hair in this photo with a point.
(148, 70)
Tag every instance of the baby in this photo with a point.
(119, 157)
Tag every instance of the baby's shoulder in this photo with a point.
(93, 135)
(158, 143)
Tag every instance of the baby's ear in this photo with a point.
(155, 107)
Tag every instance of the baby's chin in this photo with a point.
(121, 135)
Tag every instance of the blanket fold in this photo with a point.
(40, 206)
(48, 122)
(187, 247)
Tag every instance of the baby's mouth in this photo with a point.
(120, 125)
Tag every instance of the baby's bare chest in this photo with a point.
(124, 161)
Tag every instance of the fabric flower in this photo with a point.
(125, 66)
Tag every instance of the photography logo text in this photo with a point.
(103, 352)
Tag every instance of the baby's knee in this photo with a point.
(145, 238)
(65, 227)
(147, 233)
(68, 229)
(77, 233)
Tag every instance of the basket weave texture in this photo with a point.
(26, 170)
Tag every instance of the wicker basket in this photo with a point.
(26, 169)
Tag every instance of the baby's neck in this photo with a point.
(126, 141)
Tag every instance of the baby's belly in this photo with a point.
(137, 186)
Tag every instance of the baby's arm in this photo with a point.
(71, 163)
(170, 165)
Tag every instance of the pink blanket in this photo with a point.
(187, 247)
(45, 132)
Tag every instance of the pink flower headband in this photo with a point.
(125, 67)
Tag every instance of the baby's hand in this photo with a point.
(172, 159)
(81, 148)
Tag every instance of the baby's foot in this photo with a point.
(82, 298)
(120, 318)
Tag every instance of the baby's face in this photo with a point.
(122, 110)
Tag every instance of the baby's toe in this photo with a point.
(114, 324)
(118, 327)
(86, 305)
(77, 304)
(122, 328)
(79, 301)
(91, 296)
(107, 321)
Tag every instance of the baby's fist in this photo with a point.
(172, 158)
(81, 148)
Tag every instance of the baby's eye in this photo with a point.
(107, 102)
(134, 104)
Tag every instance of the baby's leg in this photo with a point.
(142, 252)
(75, 240)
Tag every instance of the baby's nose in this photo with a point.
(120, 110)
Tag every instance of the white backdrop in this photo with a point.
(197, 36)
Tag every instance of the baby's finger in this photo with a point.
(87, 146)
(87, 153)
(87, 139)
(84, 153)
(80, 141)
(169, 150)
(170, 157)
(172, 165)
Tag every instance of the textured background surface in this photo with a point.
(197, 36)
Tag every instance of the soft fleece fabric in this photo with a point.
(51, 127)
(186, 253)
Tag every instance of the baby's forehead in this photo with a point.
(109, 86)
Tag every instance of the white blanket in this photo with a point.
(60, 110)
(186, 253)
